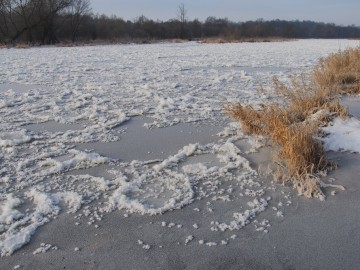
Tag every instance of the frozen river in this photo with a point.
(140, 129)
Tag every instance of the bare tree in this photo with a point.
(5, 23)
(26, 11)
(48, 13)
(18, 17)
(77, 11)
(182, 18)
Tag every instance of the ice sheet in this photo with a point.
(60, 106)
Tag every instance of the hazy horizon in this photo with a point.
(328, 11)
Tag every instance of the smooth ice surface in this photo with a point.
(353, 104)
(52, 126)
(139, 130)
(18, 88)
(140, 143)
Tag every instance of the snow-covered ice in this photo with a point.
(55, 103)
(344, 135)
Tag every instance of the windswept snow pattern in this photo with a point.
(87, 94)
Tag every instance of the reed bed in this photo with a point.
(339, 72)
(294, 124)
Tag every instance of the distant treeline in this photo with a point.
(53, 21)
(102, 27)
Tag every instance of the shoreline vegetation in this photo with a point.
(35, 22)
(294, 125)
(221, 40)
(211, 40)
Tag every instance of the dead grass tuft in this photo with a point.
(300, 156)
(340, 71)
(22, 46)
(293, 125)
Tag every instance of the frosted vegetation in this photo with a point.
(57, 104)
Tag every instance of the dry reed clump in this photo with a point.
(340, 72)
(293, 127)
(304, 99)
(22, 46)
(300, 156)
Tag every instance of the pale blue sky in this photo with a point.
(337, 11)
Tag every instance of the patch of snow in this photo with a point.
(72, 199)
(343, 135)
(242, 219)
(8, 213)
(14, 138)
(43, 248)
(182, 154)
(189, 239)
